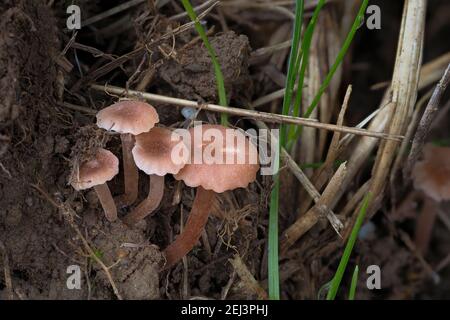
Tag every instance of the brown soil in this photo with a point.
(40, 139)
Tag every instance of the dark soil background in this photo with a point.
(45, 72)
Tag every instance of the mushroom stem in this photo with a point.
(131, 174)
(425, 223)
(107, 201)
(146, 207)
(193, 228)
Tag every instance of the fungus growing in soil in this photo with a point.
(432, 176)
(157, 153)
(129, 118)
(95, 173)
(237, 170)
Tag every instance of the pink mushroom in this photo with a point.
(157, 153)
(95, 173)
(432, 176)
(239, 168)
(129, 118)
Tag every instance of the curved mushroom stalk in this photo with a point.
(155, 194)
(107, 201)
(193, 229)
(425, 223)
(131, 174)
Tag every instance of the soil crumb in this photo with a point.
(191, 74)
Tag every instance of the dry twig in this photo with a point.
(264, 116)
(425, 123)
(68, 214)
(247, 277)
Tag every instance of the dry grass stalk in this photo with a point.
(304, 223)
(247, 277)
(433, 70)
(399, 161)
(326, 170)
(425, 123)
(306, 183)
(307, 145)
(68, 213)
(365, 145)
(264, 116)
(404, 87)
(330, 44)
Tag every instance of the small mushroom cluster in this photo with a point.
(151, 149)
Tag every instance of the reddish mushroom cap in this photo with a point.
(160, 151)
(224, 176)
(128, 116)
(432, 174)
(102, 168)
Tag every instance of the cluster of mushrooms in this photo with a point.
(150, 149)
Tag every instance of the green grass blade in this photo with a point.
(336, 281)
(351, 294)
(217, 70)
(273, 266)
(306, 44)
(293, 65)
(340, 57)
(321, 295)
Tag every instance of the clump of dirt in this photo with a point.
(39, 242)
(191, 73)
(134, 263)
(29, 227)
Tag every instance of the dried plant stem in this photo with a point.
(365, 145)
(93, 255)
(404, 87)
(425, 123)
(309, 187)
(310, 218)
(150, 204)
(205, 4)
(68, 214)
(432, 71)
(264, 116)
(306, 183)
(247, 277)
(326, 170)
(110, 12)
(405, 146)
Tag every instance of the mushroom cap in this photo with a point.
(220, 177)
(103, 167)
(128, 116)
(432, 174)
(160, 151)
